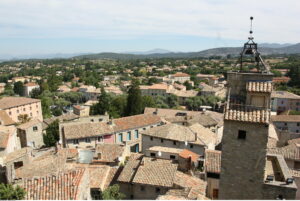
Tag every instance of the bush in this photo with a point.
(8, 192)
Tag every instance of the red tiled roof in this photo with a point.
(63, 186)
(187, 153)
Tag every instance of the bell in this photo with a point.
(249, 52)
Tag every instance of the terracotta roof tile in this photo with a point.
(187, 154)
(5, 133)
(285, 118)
(29, 124)
(259, 87)
(179, 74)
(109, 152)
(247, 114)
(172, 132)
(82, 130)
(101, 176)
(4, 137)
(9, 102)
(155, 172)
(135, 121)
(5, 119)
(130, 168)
(62, 186)
(284, 94)
(213, 161)
(196, 185)
(31, 84)
(291, 151)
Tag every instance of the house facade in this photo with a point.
(16, 106)
(282, 101)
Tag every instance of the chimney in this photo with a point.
(156, 111)
(110, 121)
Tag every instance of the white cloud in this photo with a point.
(274, 21)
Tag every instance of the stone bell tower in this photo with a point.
(246, 124)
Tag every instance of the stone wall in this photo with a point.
(243, 161)
(32, 136)
(271, 192)
(149, 192)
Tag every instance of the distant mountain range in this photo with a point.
(264, 48)
(154, 51)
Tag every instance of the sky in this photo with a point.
(89, 26)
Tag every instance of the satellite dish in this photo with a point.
(159, 154)
(120, 158)
(186, 143)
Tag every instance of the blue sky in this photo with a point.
(74, 26)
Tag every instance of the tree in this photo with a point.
(8, 192)
(294, 74)
(118, 106)
(46, 102)
(188, 85)
(172, 101)
(23, 118)
(57, 111)
(147, 101)
(18, 88)
(53, 82)
(8, 90)
(134, 100)
(113, 193)
(104, 103)
(35, 93)
(52, 134)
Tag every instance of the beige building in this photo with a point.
(195, 138)
(29, 87)
(180, 77)
(16, 106)
(81, 111)
(156, 89)
(207, 90)
(124, 130)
